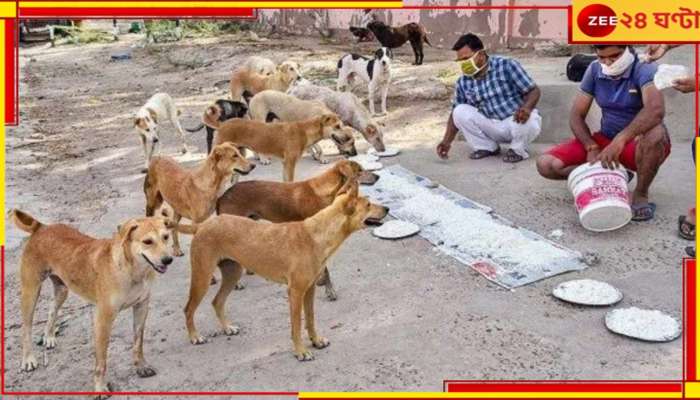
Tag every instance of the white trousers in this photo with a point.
(483, 133)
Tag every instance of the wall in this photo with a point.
(497, 28)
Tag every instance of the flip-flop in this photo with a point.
(512, 157)
(690, 250)
(630, 175)
(643, 212)
(479, 154)
(686, 230)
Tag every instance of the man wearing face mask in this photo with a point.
(494, 103)
(631, 133)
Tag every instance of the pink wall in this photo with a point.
(445, 26)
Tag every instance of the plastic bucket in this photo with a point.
(601, 196)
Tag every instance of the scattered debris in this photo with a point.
(125, 55)
(556, 234)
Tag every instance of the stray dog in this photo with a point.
(158, 108)
(222, 110)
(362, 34)
(294, 201)
(270, 105)
(395, 37)
(286, 140)
(348, 107)
(246, 80)
(261, 65)
(375, 71)
(192, 194)
(292, 253)
(113, 274)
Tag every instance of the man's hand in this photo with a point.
(592, 156)
(655, 52)
(685, 85)
(610, 156)
(521, 115)
(443, 148)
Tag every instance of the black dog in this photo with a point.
(395, 37)
(222, 110)
(362, 34)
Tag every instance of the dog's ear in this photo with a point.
(137, 121)
(349, 170)
(125, 230)
(154, 116)
(327, 119)
(351, 201)
(378, 54)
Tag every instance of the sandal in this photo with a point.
(512, 157)
(630, 175)
(643, 212)
(479, 154)
(686, 230)
(690, 251)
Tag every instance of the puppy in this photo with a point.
(292, 253)
(246, 80)
(222, 110)
(192, 194)
(113, 274)
(157, 109)
(294, 201)
(348, 107)
(375, 71)
(270, 105)
(261, 65)
(395, 37)
(286, 140)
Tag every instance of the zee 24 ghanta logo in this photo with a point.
(599, 20)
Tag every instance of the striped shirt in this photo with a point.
(498, 94)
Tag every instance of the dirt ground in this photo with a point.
(407, 316)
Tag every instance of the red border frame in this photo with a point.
(689, 276)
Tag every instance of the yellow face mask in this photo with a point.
(469, 67)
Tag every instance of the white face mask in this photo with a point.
(620, 65)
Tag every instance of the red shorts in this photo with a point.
(572, 152)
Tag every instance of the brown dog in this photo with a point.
(292, 253)
(293, 201)
(192, 194)
(286, 140)
(247, 80)
(395, 37)
(113, 274)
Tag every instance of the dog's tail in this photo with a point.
(211, 116)
(25, 221)
(196, 128)
(186, 229)
(425, 36)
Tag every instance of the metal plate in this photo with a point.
(396, 229)
(647, 325)
(388, 152)
(587, 292)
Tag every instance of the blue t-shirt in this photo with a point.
(619, 98)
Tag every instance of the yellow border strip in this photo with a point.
(212, 4)
(8, 9)
(493, 395)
